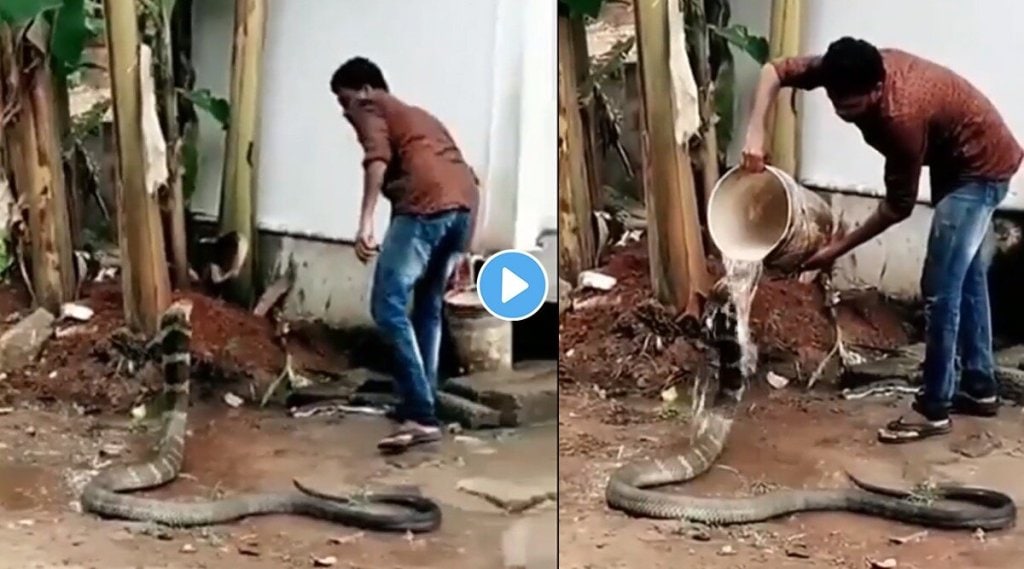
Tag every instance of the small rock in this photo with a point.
(889, 563)
(26, 523)
(912, 538)
(188, 548)
(111, 450)
(329, 561)
(30, 431)
(775, 380)
(727, 550)
(249, 550)
(700, 535)
(596, 281)
(76, 312)
(21, 344)
(6, 410)
(454, 428)
(139, 412)
(342, 540)
(798, 551)
(233, 400)
(669, 395)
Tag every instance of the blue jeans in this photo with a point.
(954, 285)
(416, 259)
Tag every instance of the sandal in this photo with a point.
(408, 436)
(902, 431)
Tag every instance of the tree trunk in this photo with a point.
(575, 235)
(592, 158)
(33, 141)
(174, 204)
(678, 267)
(145, 280)
(238, 205)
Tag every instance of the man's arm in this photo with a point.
(798, 72)
(904, 160)
(372, 130)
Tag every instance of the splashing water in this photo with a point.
(741, 279)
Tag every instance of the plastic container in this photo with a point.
(768, 217)
(482, 342)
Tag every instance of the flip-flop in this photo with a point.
(403, 439)
(900, 431)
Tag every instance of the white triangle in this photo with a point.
(511, 285)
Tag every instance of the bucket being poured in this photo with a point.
(768, 217)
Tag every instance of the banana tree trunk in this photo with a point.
(33, 144)
(678, 265)
(575, 236)
(145, 280)
(174, 205)
(238, 204)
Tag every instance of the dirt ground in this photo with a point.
(85, 363)
(48, 454)
(67, 415)
(619, 352)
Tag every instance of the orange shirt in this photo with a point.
(929, 116)
(421, 155)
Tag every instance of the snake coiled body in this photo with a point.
(104, 495)
(629, 488)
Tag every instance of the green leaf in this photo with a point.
(17, 12)
(584, 7)
(70, 34)
(739, 36)
(218, 108)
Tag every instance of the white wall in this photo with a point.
(473, 64)
(976, 43)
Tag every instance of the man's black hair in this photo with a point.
(357, 73)
(852, 67)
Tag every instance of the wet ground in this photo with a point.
(787, 439)
(46, 455)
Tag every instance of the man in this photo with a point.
(411, 157)
(917, 113)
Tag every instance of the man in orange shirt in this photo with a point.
(917, 113)
(410, 157)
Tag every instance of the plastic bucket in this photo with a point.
(481, 341)
(768, 217)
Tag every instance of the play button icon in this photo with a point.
(512, 285)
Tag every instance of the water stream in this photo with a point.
(741, 279)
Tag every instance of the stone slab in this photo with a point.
(511, 496)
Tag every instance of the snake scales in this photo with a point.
(104, 494)
(951, 507)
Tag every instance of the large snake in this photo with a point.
(945, 506)
(103, 495)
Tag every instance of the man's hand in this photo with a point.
(366, 245)
(754, 156)
(824, 258)
(462, 275)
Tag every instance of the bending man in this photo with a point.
(411, 157)
(917, 113)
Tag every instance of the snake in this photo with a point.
(107, 493)
(631, 488)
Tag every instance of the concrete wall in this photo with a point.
(473, 64)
